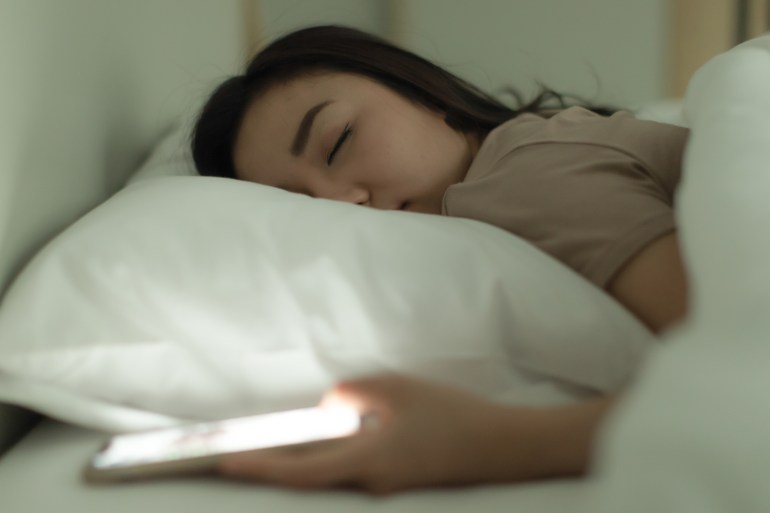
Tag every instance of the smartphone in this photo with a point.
(196, 448)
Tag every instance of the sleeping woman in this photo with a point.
(336, 113)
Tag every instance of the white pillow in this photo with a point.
(203, 298)
(170, 157)
(663, 111)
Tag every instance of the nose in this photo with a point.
(349, 193)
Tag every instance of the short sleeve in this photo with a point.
(590, 206)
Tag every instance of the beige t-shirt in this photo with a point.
(589, 190)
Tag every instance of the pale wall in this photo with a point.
(607, 50)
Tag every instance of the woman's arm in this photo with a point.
(653, 284)
(434, 435)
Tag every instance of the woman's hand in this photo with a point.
(426, 435)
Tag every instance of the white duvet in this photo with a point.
(694, 434)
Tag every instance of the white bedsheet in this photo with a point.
(41, 475)
(694, 434)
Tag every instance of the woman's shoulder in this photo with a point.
(573, 124)
(529, 129)
(580, 129)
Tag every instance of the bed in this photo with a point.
(130, 286)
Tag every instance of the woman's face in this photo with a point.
(346, 137)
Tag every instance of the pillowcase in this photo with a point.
(663, 111)
(186, 298)
(170, 157)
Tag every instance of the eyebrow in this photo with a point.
(303, 132)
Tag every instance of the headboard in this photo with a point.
(88, 86)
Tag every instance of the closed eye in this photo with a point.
(343, 136)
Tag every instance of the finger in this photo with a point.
(314, 468)
(379, 394)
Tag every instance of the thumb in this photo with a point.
(380, 395)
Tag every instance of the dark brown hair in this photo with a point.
(333, 48)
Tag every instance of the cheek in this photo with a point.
(377, 155)
(401, 152)
(405, 150)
